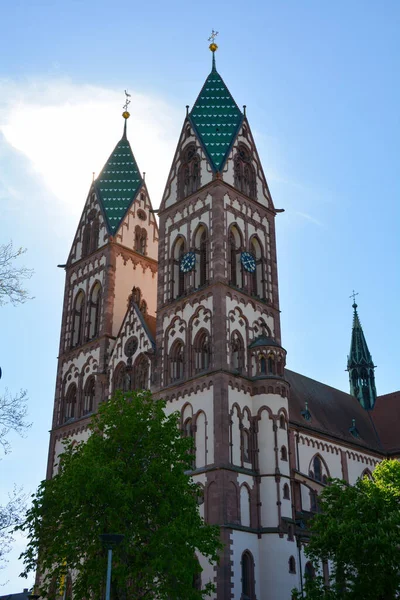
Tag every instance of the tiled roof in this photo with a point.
(386, 417)
(332, 412)
(216, 118)
(359, 353)
(118, 183)
(264, 341)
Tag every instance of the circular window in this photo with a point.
(131, 346)
(142, 215)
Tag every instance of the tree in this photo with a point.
(11, 287)
(358, 531)
(130, 477)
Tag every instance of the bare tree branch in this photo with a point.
(13, 411)
(11, 278)
(11, 515)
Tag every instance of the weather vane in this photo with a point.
(127, 101)
(353, 295)
(213, 36)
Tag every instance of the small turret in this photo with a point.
(360, 366)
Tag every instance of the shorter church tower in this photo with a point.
(360, 366)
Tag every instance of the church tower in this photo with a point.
(219, 356)
(360, 366)
(111, 273)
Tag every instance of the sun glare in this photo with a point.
(68, 131)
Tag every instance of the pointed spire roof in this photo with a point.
(359, 353)
(216, 117)
(118, 182)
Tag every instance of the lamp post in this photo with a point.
(110, 540)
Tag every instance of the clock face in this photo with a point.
(248, 262)
(188, 262)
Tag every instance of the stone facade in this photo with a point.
(208, 341)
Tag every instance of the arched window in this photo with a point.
(188, 431)
(176, 365)
(292, 565)
(286, 492)
(90, 236)
(317, 466)
(201, 351)
(122, 378)
(143, 307)
(141, 373)
(70, 403)
(263, 365)
(94, 237)
(309, 570)
(86, 240)
(271, 364)
(143, 242)
(77, 319)
(200, 242)
(178, 276)
(366, 473)
(245, 445)
(283, 453)
(235, 246)
(257, 278)
(237, 350)
(94, 311)
(247, 576)
(88, 396)
(244, 173)
(189, 172)
(282, 422)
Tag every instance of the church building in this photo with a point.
(187, 305)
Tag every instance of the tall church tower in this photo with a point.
(219, 356)
(111, 282)
(360, 366)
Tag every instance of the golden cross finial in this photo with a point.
(213, 46)
(126, 114)
(353, 295)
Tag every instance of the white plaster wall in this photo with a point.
(241, 541)
(268, 499)
(357, 462)
(251, 312)
(276, 582)
(126, 231)
(199, 401)
(59, 448)
(332, 459)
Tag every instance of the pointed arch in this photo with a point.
(201, 351)
(247, 569)
(178, 277)
(286, 492)
(318, 468)
(235, 245)
(292, 565)
(201, 245)
(86, 240)
(189, 172)
(89, 393)
(77, 319)
(94, 311)
(237, 352)
(244, 505)
(70, 402)
(176, 361)
(257, 278)
(122, 378)
(141, 373)
(94, 235)
(244, 172)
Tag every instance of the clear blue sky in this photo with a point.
(320, 81)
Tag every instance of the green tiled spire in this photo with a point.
(360, 366)
(216, 118)
(118, 183)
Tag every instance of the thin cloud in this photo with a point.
(67, 131)
(309, 218)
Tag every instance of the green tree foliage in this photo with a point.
(358, 531)
(130, 477)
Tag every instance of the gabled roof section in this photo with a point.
(118, 183)
(216, 118)
(359, 353)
